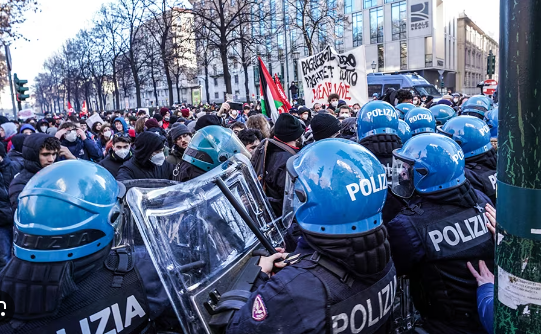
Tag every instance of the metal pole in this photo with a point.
(518, 251)
(286, 58)
(9, 65)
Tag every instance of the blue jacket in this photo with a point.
(124, 125)
(485, 306)
(83, 149)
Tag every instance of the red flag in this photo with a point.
(70, 108)
(272, 102)
(281, 91)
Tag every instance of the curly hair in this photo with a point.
(51, 144)
(259, 122)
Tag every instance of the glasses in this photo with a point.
(121, 135)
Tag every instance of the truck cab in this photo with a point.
(380, 82)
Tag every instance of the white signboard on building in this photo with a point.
(331, 72)
(420, 18)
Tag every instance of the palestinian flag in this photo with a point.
(281, 91)
(272, 103)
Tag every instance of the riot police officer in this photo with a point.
(442, 229)
(209, 147)
(403, 109)
(377, 130)
(341, 269)
(65, 277)
(404, 131)
(477, 106)
(473, 136)
(442, 113)
(420, 120)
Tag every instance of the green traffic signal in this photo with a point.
(19, 88)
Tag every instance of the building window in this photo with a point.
(389, 1)
(381, 58)
(403, 56)
(236, 78)
(215, 81)
(376, 25)
(357, 29)
(399, 17)
(339, 36)
(370, 3)
(348, 6)
(428, 51)
(216, 95)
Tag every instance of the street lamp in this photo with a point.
(296, 55)
(373, 66)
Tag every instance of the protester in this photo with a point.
(166, 114)
(119, 125)
(236, 127)
(7, 131)
(250, 138)
(148, 160)
(259, 122)
(119, 153)
(404, 96)
(42, 126)
(180, 137)
(325, 126)
(102, 139)
(39, 151)
(77, 142)
(206, 120)
(152, 125)
(15, 154)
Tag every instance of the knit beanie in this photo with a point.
(151, 123)
(158, 117)
(288, 128)
(185, 112)
(178, 130)
(207, 120)
(324, 126)
(163, 111)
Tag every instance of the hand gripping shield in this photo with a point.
(200, 235)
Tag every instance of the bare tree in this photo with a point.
(12, 15)
(221, 19)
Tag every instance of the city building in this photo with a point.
(474, 46)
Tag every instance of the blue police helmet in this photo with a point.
(404, 131)
(492, 121)
(427, 163)
(420, 120)
(442, 113)
(477, 105)
(66, 212)
(335, 186)
(471, 133)
(403, 108)
(376, 117)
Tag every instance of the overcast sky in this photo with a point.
(60, 20)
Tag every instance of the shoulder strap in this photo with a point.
(120, 262)
(283, 146)
(334, 268)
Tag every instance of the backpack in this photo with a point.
(259, 158)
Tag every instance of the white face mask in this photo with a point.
(233, 113)
(304, 116)
(456, 100)
(107, 134)
(122, 153)
(158, 159)
(344, 115)
(334, 104)
(71, 137)
(43, 128)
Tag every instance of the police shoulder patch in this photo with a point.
(259, 311)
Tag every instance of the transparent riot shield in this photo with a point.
(198, 238)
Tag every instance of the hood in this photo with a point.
(41, 123)
(17, 142)
(382, 145)
(124, 125)
(31, 147)
(146, 144)
(27, 126)
(9, 128)
(362, 253)
(488, 159)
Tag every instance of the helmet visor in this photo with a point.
(402, 184)
(294, 195)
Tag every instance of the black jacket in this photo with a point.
(185, 171)
(132, 170)
(8, 170)
(16, 158)
(32, 165)
(112, 162)
(175, 156)
(481, 172)
(275, 178)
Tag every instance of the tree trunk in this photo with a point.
(135, 74)
(246, 86)
(207, 78)
(115, 82)
(155, 89)
(225, 66)
(178, 89)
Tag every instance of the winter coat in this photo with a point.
(124, 125)
(113, 163)
(133, 170)
(185, 171)
(175, 157)
(31, 148)
(83, 149)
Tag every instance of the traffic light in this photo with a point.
(442, 84)
(20, 89)
(491, 63)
